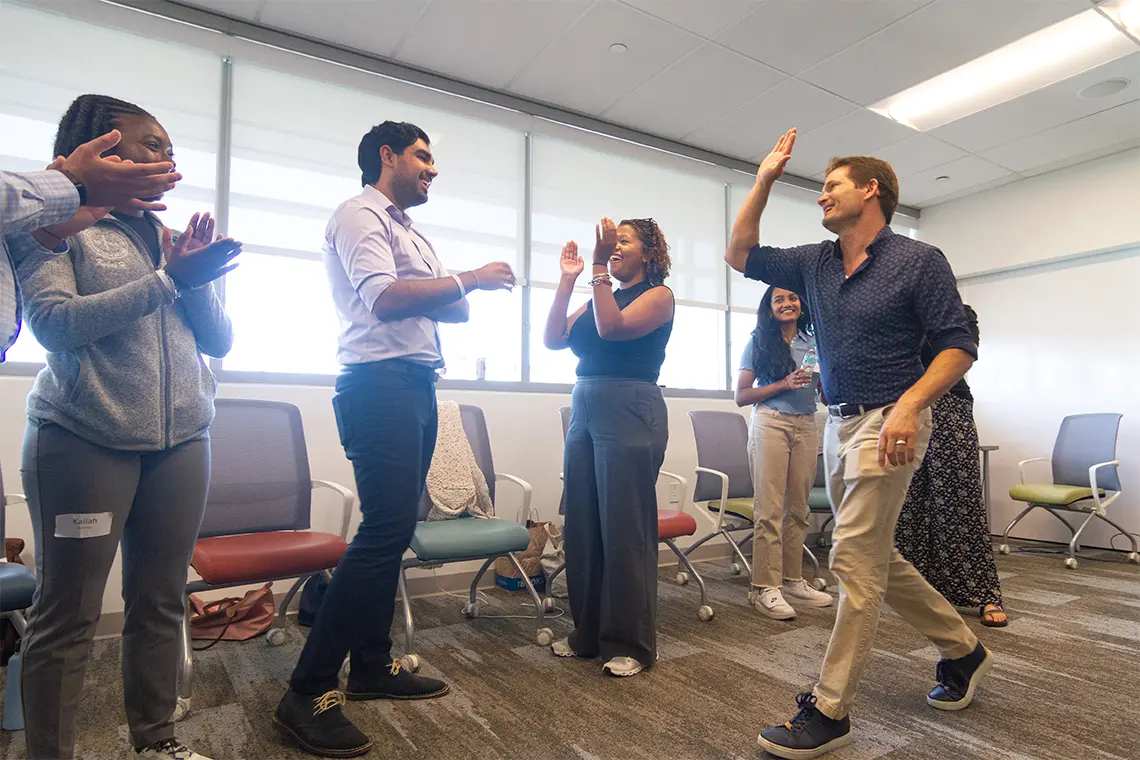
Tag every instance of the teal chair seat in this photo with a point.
(817, 500)
(468, 538)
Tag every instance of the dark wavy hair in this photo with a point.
(771, 354)
(655, 250)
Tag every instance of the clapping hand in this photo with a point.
(570, 262)
(605, 241)
(194, 260)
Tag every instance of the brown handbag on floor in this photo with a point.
(232, 619)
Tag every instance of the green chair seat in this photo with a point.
(817, 500)
(742, 508)
(468, 537)
(1053, 494)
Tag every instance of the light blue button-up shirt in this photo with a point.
(369, 244)
(27, 202)
(798, 400)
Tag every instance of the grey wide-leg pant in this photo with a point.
(84, 499)
(614, 450)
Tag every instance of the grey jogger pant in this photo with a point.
(84, 499)
(614, 450)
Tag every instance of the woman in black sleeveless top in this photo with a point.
(616, 442)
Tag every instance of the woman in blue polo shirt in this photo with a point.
(778, 378)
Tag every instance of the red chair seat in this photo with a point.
(260, 556)
(674, 524)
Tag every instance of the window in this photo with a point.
(548, 366)
(294, 162)
(36, 89)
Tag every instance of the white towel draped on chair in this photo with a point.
(455, 484)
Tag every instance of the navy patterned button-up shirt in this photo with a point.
(869, 326)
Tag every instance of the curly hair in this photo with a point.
(655, 250)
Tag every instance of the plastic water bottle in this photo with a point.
(811, 360)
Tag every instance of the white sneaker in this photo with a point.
(561, 648)
(803, 592)
(170, 749)
(770, 601)
(623, 667)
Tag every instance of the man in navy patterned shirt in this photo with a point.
(873, 295)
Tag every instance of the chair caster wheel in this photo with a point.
(275, 637)
(1071, 563)
(548, 604)
(735, 568)
(545, 637)
(682, 579)
(1004, 548)
(819, 584)
(705, 613)
(345, 668)
(1134, 557)
(181, 709)
(471, 609)
(411, 663)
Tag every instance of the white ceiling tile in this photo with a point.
(793, 35)
(373, 27)
(932, 40)
(1073, 142)
(1043, 109)
(1080, 158)
(859, 133)
(579, 72)
(918, 153)
(981, 188)
(243, 9)
(705, 18)
(487, 42)
(963, 174)
(757, 124)
(706, 83)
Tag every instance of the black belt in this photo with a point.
(847, 411)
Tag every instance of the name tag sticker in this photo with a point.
(86, 525)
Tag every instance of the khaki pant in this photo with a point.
(783, 449)
(867, 500)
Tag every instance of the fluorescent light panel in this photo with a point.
(1047, 56)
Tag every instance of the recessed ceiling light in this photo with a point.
(618, 48)
(1077, 44)
(942, 178)
(1103, 89)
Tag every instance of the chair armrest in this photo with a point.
(680, 481)
(1101, 505)
(527, 493)
(723, 495)
(14, 498)
(9, 499)
(349, 500)
(1022, 463)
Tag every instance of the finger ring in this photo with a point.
(901, 442)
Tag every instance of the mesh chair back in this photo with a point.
(820, 473)
(722, 444)
(259, 469)
(1085, 440)
(564, 413)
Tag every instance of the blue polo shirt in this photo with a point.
(869, 326)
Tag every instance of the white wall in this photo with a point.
(526, 439)
(1058, 338)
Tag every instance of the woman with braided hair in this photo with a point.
(117, 449)
(616, 442)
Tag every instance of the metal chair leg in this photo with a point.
(543, 635)
(739, 554)
(705, 612)
(812, 560)
(288, 599)
(186, 657)
(1015, 521)
(472, 593)
(1130, 536)
(1075, 545)
(409, 626)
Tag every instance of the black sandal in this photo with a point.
(986, 611)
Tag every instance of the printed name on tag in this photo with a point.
(87, 525)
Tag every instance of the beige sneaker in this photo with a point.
(561, 648)
(770, 601)
(802, 592)
(623, 667)
(170, 749)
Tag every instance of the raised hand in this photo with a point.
(111, 182)
(772, 167)
(570, 262)
(605, 242)
(194, 261)
(496, 276)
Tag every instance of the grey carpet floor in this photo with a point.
(1064, 683)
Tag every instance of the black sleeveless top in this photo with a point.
(638, 359)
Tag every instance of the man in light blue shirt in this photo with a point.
(39, 209)
(390, 291)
